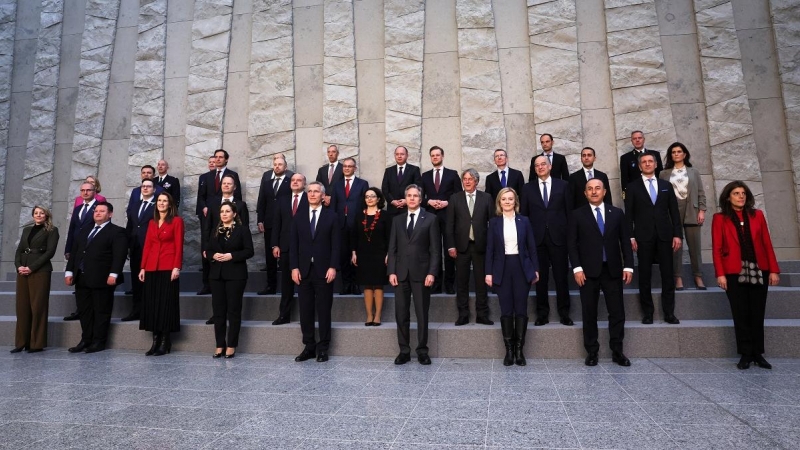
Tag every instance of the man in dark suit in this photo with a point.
(314, 258)
(652, 212)
(274, 185)
(146, 173)
(629, 162)
(557, 161)
(547, 202)
(347, 200)
(95, 269)
(280, 240)
(330, 173)
(438, 185)
(81, 217)
(139, 218)
(414, 258)
(168, 182)
(600, 251)
(395, 180)
(468, 217)
(577, 181)
(504, 176)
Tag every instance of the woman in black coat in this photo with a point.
(227, 250)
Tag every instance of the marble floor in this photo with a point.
(122, 399)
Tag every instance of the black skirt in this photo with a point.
(160, 311)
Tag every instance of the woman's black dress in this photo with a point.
(371, 247)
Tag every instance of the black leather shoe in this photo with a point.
(210, 321)
(204, 291)
(540, 322)
(305, 355)
(130, 317)
(425, 360)
(483, 321)
(744, 363)
(219, 355)
(672, 320)
(621, 359)
(78, 348)
(402, 358)
(94, 348)
(462, 321)
(37, 350)
(73, 316)
(449, 289)
(757, 360)
(17, 350)
(280, 321)
(322, 357)
(591, 360)
(647, 320)
(567, 321)
(230, 356)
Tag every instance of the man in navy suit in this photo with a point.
(139, 218)
(602, 259)
(81, 217)
(275, 184)
(314, 258)
(629, 162)
(558, 162)
(547, 202)
(504, 176)
(330, 172)
(146, 173)
(168, 182)
(395, 180)
(280, 239)
(577, 181)
(347, 200)
(438, 185)
(652, 212)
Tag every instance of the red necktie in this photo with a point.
(217, 181)
(437, 181)
(294, 205)
(346, 193)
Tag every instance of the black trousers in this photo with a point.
(272, 263)
(287, 287)
(402, 310)
(513, 289)
(94, 309)
(590, 297)
(447, 270)
(206, 264)
(748, 305)
(348, 271)
(553, 255)
(477, 259)
(136, 285)
(658, 252)
(226, 302)
(315, 297)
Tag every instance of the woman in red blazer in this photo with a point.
(745, 264)
(161, 266)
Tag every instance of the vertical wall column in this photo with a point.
(368, 21)
(9, 100)
(8, 16)
(237, 103)
(308, 84)
(339, 95)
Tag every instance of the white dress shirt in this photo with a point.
(510, 235)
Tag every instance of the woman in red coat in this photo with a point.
(161, 266)
(745, 264)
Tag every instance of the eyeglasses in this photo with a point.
(87, 190)
(348, 166)
(370, 196)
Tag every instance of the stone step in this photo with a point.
(790, 279)
(690, 339)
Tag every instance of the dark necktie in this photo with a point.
(275, 184)
(294, 205)
(217, 181)
(410, 226)
(346, 193)
(313, 223)
(503, 178)
(602, 225)
(93, 234)
(399, 174)
(83, 211)
(437, 181)
(142, 209)
(545, 198)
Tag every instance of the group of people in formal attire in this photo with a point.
(421, 233)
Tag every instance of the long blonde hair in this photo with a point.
(48, 217)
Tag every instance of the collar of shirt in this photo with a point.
(102, 225)
(221, 169)
(401, 167)
(351, 179)
(335, 163)
(506, 168)
(546, 180)
(163, 177)
(645, 178)
(549, 155)
(415, 212)
(311, 208)
(586, 171)
(602, 210)
(150, 200)
(91, 202)
(278, 176)
(226, 199)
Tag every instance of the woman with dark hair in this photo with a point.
(745, 264)
(228, 249)
(32, 260)
(691, 197)
(370, 238)
(162, 258)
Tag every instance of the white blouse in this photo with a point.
(680, 181)
(510, 235)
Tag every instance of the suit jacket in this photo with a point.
(137, 229)
(577, 184)
(394, 190)
(696, 195)
(163, 247)
(449, 184)
(727, 249)
(136, 197)
(240, 246)
(559, 168)
(322, 176)
(555, 217)
(106, 254)
(629, 167)
(76, 225)
(650, 222)
(172, 185)
(420, 255)
(42, 248)
(514, 179)
(212, 221)
(458, 221)
(496, 250)
(586, 243)
(354, 202)
(323, 249)
(282, 227)
(206, 189)
(265, 208)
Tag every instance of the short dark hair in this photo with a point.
(589, 148)
(106, 204)
(148, 166)
(637, 131)
(223, 152)
(227, 175)
(642, 155)
(436, 147)
(670, 163)
(148, 179)
(379, 194)
(546, 134)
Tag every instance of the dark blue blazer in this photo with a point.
(172, 185)
(649, 222)
(354, 203)
(137, 229)
(323, 248)
(496, 250)
(586, 243)
(449, 184)
(136, 196)
(555, 217)
(76, 225)
(206, 190)
(514, 180)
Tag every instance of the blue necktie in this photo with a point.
(544, 194)
(653, 193)
(602, 225)
(503, 178)
(410, 228)
(400, 175)
(313, 223)
(93, 234)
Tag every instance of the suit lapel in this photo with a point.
(420, 217)
(518, 223)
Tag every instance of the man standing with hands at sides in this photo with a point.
(82, 216)
(147, 173)
(547, 202)
(414, 258)
(95, 269)
(280, 239)
(629, 162)
(274, 184)
(558, 162)
(652, 212)
(438, 185)
(465, 234)
(314, 259)
(395, 180)
(578, 179)
(504, 176)
(347, 199)
(168, 182)
(602, 259)
(330, 172)
(139, 217)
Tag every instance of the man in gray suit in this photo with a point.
(414, 240)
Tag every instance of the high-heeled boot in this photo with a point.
(165, 345)
(507, 325)
(156, 341)
(520, 329)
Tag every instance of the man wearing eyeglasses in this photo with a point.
(139, 217)
(347, 200)
(81, 216)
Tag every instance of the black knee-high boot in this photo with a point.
(507, 325)
(520, 328)
(156, 339)
(165, 345)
